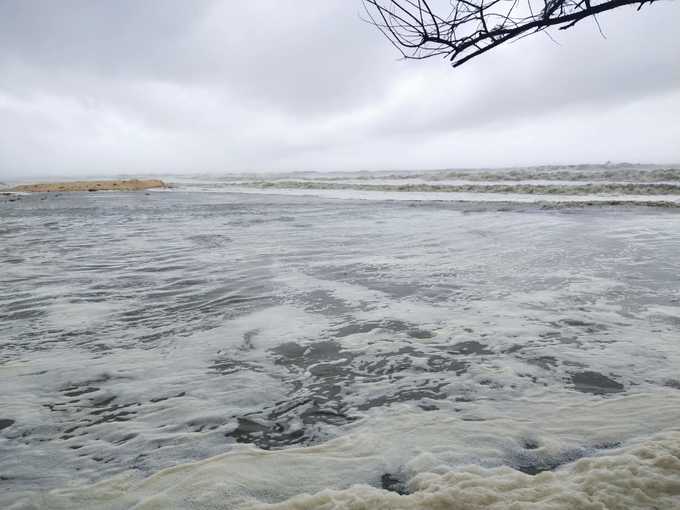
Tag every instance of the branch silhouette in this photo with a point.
(464, 29)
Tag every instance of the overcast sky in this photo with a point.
(101, 87)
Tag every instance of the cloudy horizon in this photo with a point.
(100, 88)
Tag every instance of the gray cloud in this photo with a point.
(94, 87)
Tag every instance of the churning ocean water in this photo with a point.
(463, 341)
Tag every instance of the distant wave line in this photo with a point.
(538, 189)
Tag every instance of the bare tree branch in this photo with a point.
(472, 27)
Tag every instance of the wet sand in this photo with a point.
(109, 185)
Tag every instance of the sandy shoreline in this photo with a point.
(99, 185)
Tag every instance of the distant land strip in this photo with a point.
(111, 185)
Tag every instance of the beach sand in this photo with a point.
(109, 185)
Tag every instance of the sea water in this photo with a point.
(263, 348)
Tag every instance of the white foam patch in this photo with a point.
(645, 476)
(444, 458)
(264, 329)
(80, 315)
